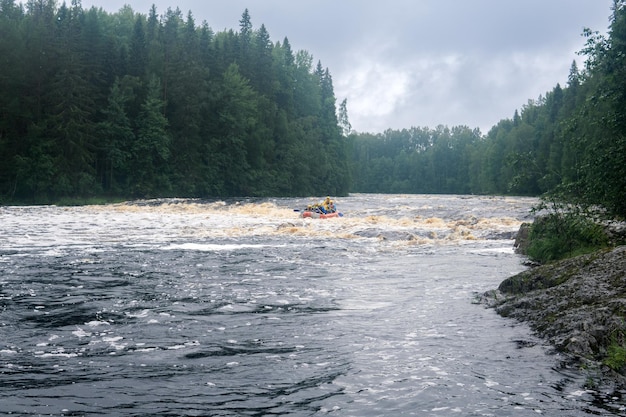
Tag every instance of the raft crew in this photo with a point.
(325, 207)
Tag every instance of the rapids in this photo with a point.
(242, 308)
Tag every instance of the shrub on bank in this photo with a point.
(561, 235)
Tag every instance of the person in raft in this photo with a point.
(326, 206)
(329, 205)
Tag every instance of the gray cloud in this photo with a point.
(403, 63)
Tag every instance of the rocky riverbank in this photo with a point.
(578, 305)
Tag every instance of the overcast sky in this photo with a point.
(404, 63)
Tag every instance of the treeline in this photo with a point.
(415, 160)
(132, 105)
(570, 143)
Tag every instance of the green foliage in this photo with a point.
(99, 105)
(151, 148)
(416, 160)
(616, 354)
(562, 233)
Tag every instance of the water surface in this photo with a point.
(241, 308)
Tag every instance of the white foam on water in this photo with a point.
(579, 393)
(211, 247)
(80, 333)
(58, 355)
(96, 323)
(176, 347)
(54, 231)
(141, 314)
(112, 339)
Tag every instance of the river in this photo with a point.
(241, 308)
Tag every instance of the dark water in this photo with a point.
(243, 309)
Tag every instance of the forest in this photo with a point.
(128, 105)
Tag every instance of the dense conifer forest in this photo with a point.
(134, 105)
(128, 105)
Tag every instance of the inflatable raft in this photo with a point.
(318, 215)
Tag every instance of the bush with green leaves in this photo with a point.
(564, 232)
(615, 357)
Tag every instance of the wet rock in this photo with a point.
(501, 235)
(578, 304)
(616, 231)
(521, 238)
(386, 235)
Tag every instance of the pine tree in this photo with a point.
(116, 138)
(151, 150)
(344, 122)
